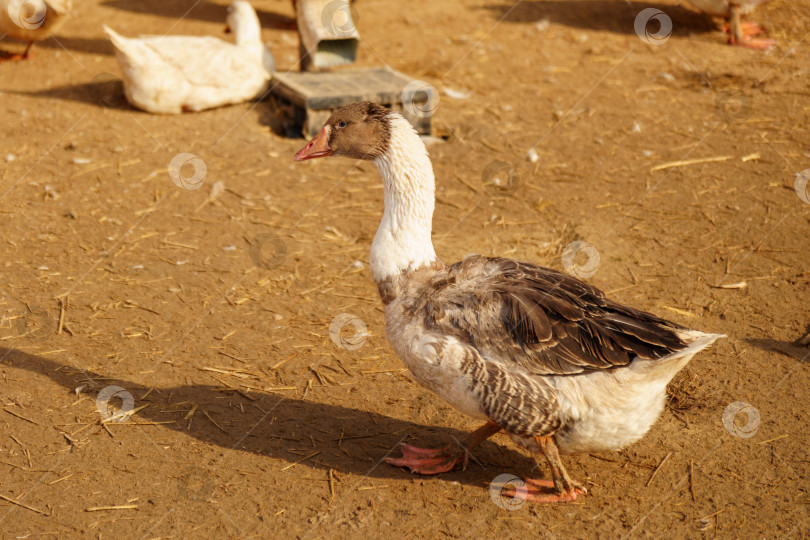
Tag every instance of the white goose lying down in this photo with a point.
(173, 74)
(532, 351)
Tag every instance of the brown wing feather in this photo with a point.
(544, 320)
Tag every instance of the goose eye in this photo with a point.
(341, 124)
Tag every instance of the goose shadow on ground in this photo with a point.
(603, 15)
(786, 348)
(351, 440)
(99, 46)
(204, 11)
(106, 90)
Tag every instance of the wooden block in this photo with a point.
(305, 100)
(327, 32)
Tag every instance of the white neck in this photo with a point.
(403, 237)
(247, 33)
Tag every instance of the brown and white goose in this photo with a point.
(529, 350)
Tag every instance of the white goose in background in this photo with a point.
(732, 10)
(31, 20)
(529, 350)
(173, 74)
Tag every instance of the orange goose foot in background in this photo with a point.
(447, 458)
(12, 57)
(16, 57)
(748, 28)
(739, 33)
(760, 44)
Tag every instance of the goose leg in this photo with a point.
(740, 33)
(13, 57)
(560, 489)
(447, 458)
(27, 50)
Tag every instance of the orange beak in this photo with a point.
(317, 147)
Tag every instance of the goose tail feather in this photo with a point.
(664, 369)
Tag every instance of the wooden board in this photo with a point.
(306, 99)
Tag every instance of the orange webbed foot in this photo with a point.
(13, 57)
(429, 460)
(759, 44)
(544, 491)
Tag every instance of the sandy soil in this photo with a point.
(211, 309)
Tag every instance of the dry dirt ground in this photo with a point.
(211, 309)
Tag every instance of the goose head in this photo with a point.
(247, 33)
(241, 18)
(374, 133)
(360, 131)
